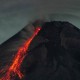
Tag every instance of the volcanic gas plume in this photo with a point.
(14, 69)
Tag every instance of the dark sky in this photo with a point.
(15, 14)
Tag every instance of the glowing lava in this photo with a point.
(14, 68)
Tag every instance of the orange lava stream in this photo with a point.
(14, 68)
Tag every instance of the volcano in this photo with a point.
(53, 54)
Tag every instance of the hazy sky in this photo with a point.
(15, 14)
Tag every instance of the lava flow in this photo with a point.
(14, 68)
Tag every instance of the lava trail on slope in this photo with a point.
(14, 69)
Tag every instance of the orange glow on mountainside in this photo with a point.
(14, 69)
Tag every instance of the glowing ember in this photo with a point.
(14, 68)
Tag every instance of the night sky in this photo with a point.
(15, 14)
